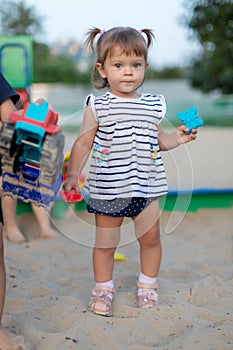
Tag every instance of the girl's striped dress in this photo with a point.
(126, 160)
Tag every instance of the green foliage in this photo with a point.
(59, 68)
(211, 21)
(166, 73)
(17, 18)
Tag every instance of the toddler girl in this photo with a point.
(126, 178)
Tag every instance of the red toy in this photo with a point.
(70, 197)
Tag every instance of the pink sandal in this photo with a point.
(148, 297)
(101, 300)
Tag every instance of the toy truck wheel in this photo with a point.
(49, 179)
(52, 148)
(16, 161)
(51, 158)
(6, 138)
(7, 143)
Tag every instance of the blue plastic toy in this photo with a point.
(190, 119)
(25, 185)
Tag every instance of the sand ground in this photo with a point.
(49, 281)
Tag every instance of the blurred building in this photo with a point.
(75, 50)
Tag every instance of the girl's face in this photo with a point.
(124, 73)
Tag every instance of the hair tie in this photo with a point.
(102, 31)
(140, 31)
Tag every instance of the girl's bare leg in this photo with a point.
(148, 235)
(107, 239)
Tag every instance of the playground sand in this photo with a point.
(49, 281)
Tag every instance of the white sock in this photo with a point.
(145, 279)
(109, 284)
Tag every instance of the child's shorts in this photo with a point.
(118, 207)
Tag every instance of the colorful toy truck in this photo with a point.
(31, 148)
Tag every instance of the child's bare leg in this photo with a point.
(107, 239)
(6, 339)
(42, 217)
(2, 273)
(148, 235)
(11, 229)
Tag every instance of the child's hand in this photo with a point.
(70, 192)
(183, 137)
(41, 100)
(70, 184)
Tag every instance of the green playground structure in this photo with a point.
(16, 62)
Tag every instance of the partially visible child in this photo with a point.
(11, 228)
(8, 99)
(126, 177)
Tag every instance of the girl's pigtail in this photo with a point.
(97, 81)
(91, 35)
(149, 35)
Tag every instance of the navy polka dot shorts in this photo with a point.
(127, 207)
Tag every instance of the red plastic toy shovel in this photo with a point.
(71, 197)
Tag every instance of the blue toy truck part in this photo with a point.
(190, 119)
(37, 112)
(24, 186)
(31, 136)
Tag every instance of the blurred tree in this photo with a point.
(211, 21)
(57, 68)
(18, 18)
(170, 72)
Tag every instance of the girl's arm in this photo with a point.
(172, 140)
(81, 150)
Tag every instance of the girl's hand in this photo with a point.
(70, 192)
(184, 138)
(70, 184)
